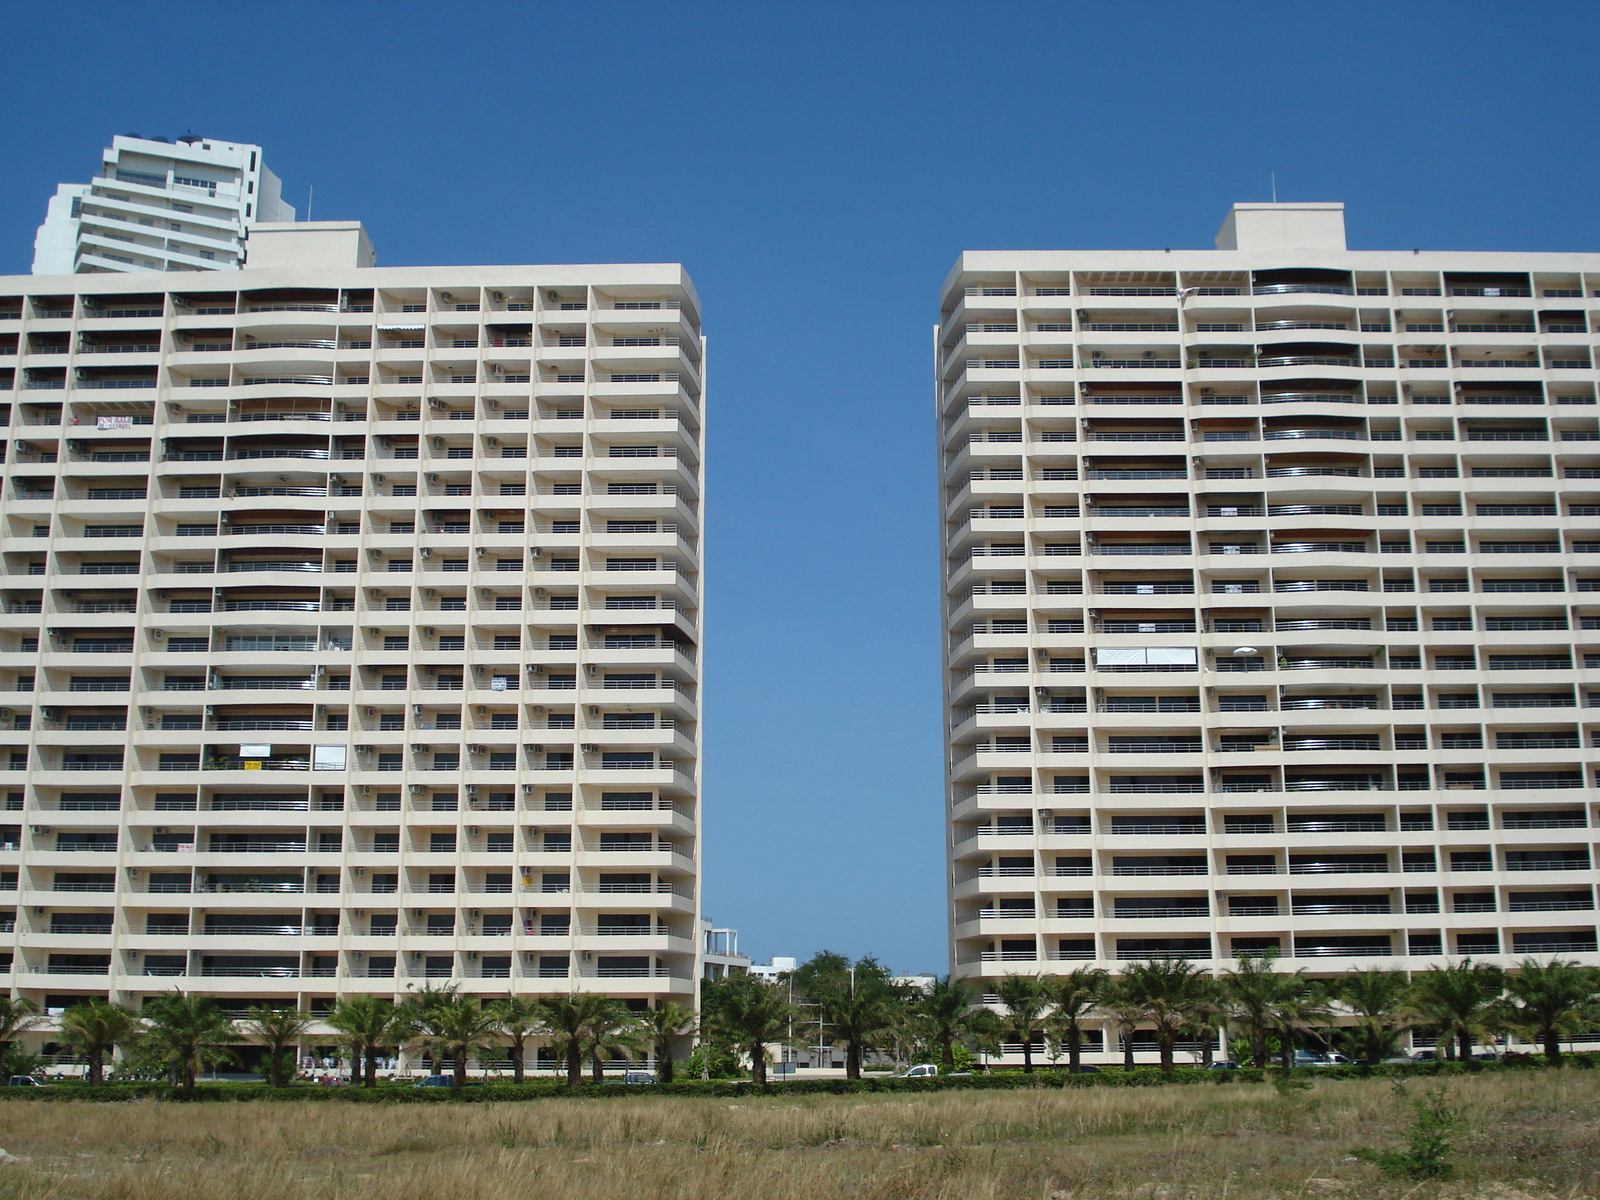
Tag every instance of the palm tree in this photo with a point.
(1377, 1000)
(748, 1012)
(95, 1028)
(1547, 1000)
(1125, 1012)
(1025, 1003)
(613, 1031)
(946, 1012)
(453, 1027)
(16, 1017)
(187, 1030)
(566, 1021)
(519, 1020)
(665, 1024)
(368, 1026)
(856, 1004)
(1169, 994)
(1258, 997)
(1458, 999)
(1302, 1003)
(1073, 997)
(279, 1030)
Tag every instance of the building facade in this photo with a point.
(1272, 602)
(160, 206)
(351, 630)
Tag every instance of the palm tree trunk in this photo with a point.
(664, 1063)
(597, 1067)
(460, 1081)
(1074, 1048)
(1027, 1052)
(96, 1069)
(1552, 1044)
(1127, 1050)
(371, 1076)
(947, 1050)
(1286, 1033)
(852, 1060)
(574, 1063)
(1258, 1047)
(1466, 1045)
(758, 1063)
(518, 1070)
(1164, 1043)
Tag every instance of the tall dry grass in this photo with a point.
(1527, 1137)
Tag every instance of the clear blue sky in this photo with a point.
(817, 167)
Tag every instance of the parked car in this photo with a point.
(1316, 1058)
(927, 1071)
(25, 1081)
(433, 1081)
(1223, 1064)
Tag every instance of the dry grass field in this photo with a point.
(1526, 1136)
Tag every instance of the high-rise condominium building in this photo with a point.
(160, 206)
(351, 629)
(1272, 602)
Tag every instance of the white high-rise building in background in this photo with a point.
(1272, 602)
(351, 629)
(161, 206)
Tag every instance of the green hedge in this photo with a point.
(541, 1089)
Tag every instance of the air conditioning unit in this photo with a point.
(594, 710)
(472, 789)
(527, 789)
(426, 552)
(370, 712)
(474, 749)
(475, 831)
(418, 789)
(482, 711)
(591, 749)
(360, 873)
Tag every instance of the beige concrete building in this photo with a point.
(1272, 602)
(351, 629)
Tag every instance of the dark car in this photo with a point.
(1223, 1064)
